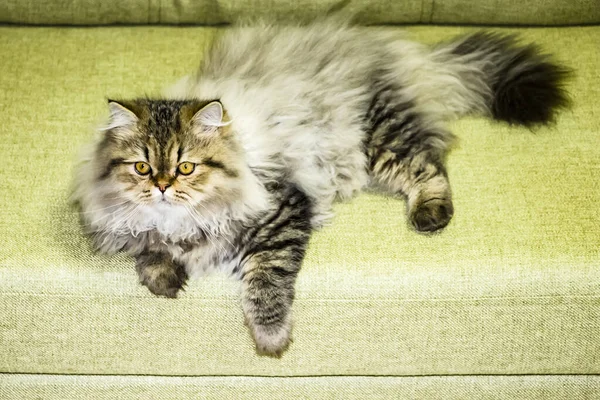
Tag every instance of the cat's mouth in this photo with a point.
(163, 206)
(163, 199)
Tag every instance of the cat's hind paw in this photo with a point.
(431, 215)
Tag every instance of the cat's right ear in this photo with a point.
(121, 115)
(210, 118)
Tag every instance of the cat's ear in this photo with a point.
(209, 118)
(122, 114)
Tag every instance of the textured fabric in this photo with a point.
(512, 286)
(92, 12)
(24, 387)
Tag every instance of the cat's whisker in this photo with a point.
(197, 219)
(121, 214)
(208, 211)
(122, 222)
(104, 208)
(126, 209)
(203, 225)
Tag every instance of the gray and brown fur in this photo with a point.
(280, 122)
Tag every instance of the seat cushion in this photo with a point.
(61, 387)
(511, 286)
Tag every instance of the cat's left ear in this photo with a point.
(122, 114)
(210, 118)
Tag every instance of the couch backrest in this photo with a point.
(213, 12)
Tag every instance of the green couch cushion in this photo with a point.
(93, 12)
(510, 287)
(61, 387)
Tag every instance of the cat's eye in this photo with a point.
(142, 168)
(186, 168)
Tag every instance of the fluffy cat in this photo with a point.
(243, 160)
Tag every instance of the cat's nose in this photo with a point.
(162, 186)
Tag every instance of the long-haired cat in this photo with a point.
(236, 168)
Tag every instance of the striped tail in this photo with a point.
(499, 77)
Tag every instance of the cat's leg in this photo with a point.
(271, 263)
(160, 274)
(406, 154)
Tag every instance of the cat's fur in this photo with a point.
(280, 122)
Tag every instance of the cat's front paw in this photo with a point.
(431, 214)
(162, 278)
(166, 284)
(271, 340)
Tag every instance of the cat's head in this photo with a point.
(162, 164)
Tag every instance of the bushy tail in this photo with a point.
(508, 81)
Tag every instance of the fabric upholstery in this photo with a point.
(511, 287)
(26, 387)
(504, 12)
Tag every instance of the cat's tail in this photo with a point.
(496, 76)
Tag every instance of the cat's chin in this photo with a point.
(163, 202)
(165, 207)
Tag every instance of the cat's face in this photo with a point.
(168, 154)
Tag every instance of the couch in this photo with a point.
(503, 304)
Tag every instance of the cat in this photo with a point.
(237, 166)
